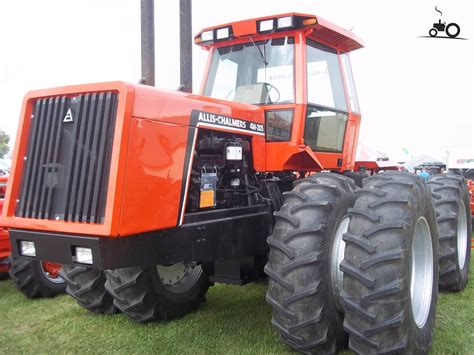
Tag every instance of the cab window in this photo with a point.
(326, 114)
(346, 66)
(324, 77)
(324, 129)
(257, 72)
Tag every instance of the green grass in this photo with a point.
(233, 320)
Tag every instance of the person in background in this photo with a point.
(424, 174)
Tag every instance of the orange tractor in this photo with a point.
(150, 196)
(33, 278)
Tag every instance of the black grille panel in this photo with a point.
(67, 165)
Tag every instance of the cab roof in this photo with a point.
(321, 29)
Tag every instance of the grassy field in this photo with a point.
(233, 320)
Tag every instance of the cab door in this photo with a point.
(327, 112)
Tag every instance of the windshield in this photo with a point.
(254, 72)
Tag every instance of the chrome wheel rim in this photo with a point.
(179, 277)
(337, 255)
(462, 235)
(55, 280)
(421, 283)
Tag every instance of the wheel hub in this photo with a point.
(172, 274)
(51, 271)
(421, 283)
(462, 235)
(179, 277)
(337, 255)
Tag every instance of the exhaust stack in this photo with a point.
(148, 42)
(185, 39)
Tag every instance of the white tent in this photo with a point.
(421, 159)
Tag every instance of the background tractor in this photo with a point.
(150, 196)
(452, 29)
(33, 278)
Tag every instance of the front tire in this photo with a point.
(303, 263)
(391, 266)
(86, 286)
(157, 292)
(451, 199)
(33, 280)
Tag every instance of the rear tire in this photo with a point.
(302, 262)
(391, 267)
(451, 199)
(86, 286)
(454, 34)
(34, 282)
(142, 295)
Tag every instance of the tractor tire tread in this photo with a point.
(86, 286)
(447, 191)
(29, 278)
(374, 292)
(298, 263)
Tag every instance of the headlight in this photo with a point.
(27, 248)
(83, 255)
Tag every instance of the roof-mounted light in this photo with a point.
(223, 33)
(211, 36)
(207, 36)
(266, 25)
(310, 21)
(285, 22)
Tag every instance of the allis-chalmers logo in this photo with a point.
(68, 117)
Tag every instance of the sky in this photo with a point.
(416, 94)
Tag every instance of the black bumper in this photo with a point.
(204, 236)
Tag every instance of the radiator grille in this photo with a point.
(67, 164)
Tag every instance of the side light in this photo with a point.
(266, 25)
(27, 248)
(83, 255)
(285, 22)
(222, 33)
(310, 21)
(207, 36)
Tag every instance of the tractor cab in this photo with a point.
(296, 67)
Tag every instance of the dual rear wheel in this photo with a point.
(362, 264)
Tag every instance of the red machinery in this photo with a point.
(4, 242)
